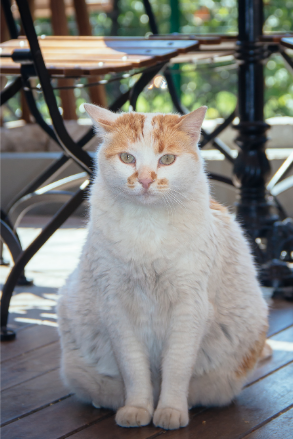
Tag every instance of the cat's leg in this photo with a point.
(89, 385)
(134, 366)
(188, 321)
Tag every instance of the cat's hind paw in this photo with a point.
(170, 419)
(129, 416)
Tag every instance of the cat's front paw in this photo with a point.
(129, 416)
(170, 419)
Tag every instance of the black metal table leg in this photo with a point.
(251, 167)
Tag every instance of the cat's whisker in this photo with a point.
(172, 201)
(189, 198)
(176, 200)
(168, 204)
(180, 193)
(171, 204)
(186, 201)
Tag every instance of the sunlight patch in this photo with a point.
(36, 321)
(281, 345)
(21, 303)
(49, 315)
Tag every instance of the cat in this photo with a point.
(164, 311)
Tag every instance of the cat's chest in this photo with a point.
(150, 317)
(150, 283)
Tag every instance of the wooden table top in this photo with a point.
(85, 56)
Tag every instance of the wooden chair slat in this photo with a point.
(96, 53)
(94, 43)
(287, 42)
(83, 69)
(127, 43)
(196, 56)
(108, 52)
(150, 44)
(70, 69)
(202, 39)
(275, 37)
(206, 39)
(96, 56)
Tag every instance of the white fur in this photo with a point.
(165, 303)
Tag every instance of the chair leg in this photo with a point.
(6, 230)
(10, 239)
(61, 216)
(60, 164)
(6, 5)
(3, 262)
(69, 146)
(9, 91)
(145, 78)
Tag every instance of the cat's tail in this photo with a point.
(266, 353)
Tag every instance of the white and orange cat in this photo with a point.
(164, 311)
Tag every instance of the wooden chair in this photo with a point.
(69, 57)
(58, 11)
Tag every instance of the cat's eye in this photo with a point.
(127, 158)
(167, 159)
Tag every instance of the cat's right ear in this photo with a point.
(191, 123)
(102, 118)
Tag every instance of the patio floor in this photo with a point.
(36, 405)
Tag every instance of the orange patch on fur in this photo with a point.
(132, 123)
(250, 359)
(163, 182)
(214, 205)
(169, 138)
(153, 175)
(128, 128)
(132, 178)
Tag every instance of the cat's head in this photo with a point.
(148, 158)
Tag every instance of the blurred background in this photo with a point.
(204, 83)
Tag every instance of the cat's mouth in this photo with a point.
(146, 195)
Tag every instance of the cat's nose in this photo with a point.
(145, 182)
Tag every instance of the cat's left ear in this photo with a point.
(191, 123)
(101, 117)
